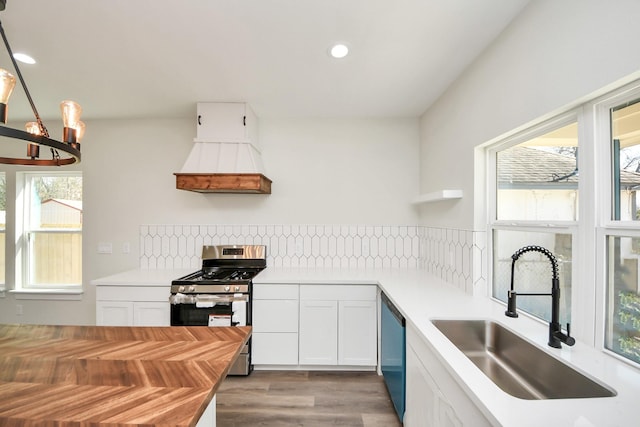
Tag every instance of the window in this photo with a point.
(622, 331)
(543, 193)
(536, 203)
(49, 230)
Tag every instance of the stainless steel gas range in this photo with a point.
(219, 294)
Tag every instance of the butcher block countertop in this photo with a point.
(102, 375)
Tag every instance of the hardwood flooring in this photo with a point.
(305, 398)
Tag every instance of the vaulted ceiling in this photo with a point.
(157, 58)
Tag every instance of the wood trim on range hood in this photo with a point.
(251, 183)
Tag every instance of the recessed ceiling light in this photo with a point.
(339, 51)
(23, 57)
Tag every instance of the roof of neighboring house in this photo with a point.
(74, 204)
(526, 167)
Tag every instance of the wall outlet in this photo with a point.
(105, 248)
(19, 309)
(126, 248)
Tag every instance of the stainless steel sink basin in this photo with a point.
(515, 365)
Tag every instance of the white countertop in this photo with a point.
(422, 297)
(143, 277)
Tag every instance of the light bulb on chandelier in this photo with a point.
(36, 134)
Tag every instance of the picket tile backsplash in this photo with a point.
(454, 255)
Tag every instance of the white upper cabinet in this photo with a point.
(226, 122)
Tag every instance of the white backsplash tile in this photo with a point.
(454, 255)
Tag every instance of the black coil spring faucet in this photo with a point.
(556, 337)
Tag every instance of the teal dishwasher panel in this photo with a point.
(393, 354)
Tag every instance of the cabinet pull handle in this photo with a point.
(244, 120)
(199, 117)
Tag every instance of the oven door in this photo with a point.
(215, 311)
(210, 310)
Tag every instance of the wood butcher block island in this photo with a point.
(112, 376)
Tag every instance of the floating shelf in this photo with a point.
(437, 196)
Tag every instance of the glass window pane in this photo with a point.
(538, 179)
(532, 272)
(54, 230)
(625, 141)
(56, 259)
(623, 297)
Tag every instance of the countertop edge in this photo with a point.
(420, 297)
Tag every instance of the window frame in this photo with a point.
(607, 226)
(24, 233)
(575, 228)
(595, 209)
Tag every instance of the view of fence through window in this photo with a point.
(53, 229)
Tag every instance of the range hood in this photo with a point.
(224, 158)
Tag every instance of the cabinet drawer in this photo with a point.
(274, 349)
(275, 292)
(338, 292)
(133, 293)
(275, 316)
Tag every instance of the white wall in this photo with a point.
(552, 56)
(324, 171)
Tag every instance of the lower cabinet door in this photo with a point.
(422, 394)
(274, 348)
(114, 313)
(151, 314)
(275, 316)
(357, 333)
(318, 332)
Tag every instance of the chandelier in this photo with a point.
(36, 134)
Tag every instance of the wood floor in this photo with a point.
(301, 398)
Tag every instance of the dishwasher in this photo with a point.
(393, 353)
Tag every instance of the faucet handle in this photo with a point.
(570, 340)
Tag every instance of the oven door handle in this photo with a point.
(221, 299)
(208, 300)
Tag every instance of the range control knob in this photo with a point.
(237, 289)
(227, 288)
(192, 288)
(180, 288)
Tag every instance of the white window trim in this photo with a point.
(581, 302)
(605, 226)
(594, 221)
(21, 290)
(48, 294)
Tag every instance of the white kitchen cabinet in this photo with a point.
(226, 122)
(433, 397)
(338, 325)
(151, 313)
(357, 333)
(318, 332)
(114, 313)
(132, 306)
(275, 325)
(422, 394)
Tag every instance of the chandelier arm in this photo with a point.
(20, 135)
(23, 83)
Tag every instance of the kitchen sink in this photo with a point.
(515, 365)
